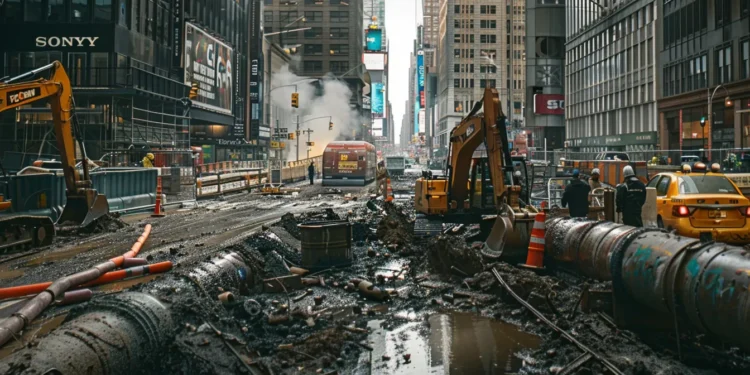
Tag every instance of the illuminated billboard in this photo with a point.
(374, 61)
(378, 100)
(420, 78)
(208, 62)
(373, 40)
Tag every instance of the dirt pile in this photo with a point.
(289, 223)
(451, 255)
(395, 227)
(106, 224)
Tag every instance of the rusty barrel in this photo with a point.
(326, 244)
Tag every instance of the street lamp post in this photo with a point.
(308, 131)
(727, 102)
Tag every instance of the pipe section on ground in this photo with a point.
(705, 284)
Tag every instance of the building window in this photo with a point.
(488, 24)
(339, 16)
(456, 38)
(268, 16)
(339, 33)
(487, 9)
(314, 16)
(456, 68)
(55, 10)
(312, 66)
(314, 32)
(313, 49)
(456, 83)
(745, 61)
(33, 11)
(487, 69)
(99, 69)
(287, 16)
(724, 65)
(339, 66)
(458, 105)
(723, 11)
(484, 82)
(491, 38)
(339, 49)
(457, 53)
(103, 11)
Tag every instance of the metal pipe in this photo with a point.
(703, 284)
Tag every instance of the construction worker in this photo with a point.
(311, 172)
(577, 194)
(148, 160)
(382, 176)
(594, 182)
(631, 195)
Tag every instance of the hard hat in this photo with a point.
(595, 171)
(517, 174)
(150, 156)
(627, 171)
(576, 173)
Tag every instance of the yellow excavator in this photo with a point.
(83, 203)
(477, 186)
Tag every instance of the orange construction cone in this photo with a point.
(389, 191)
(158, 210)
(535, 256)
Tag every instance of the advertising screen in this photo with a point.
(373, 40)
(208, 62)
(374, 61)
(420, 78)
(378, 99)
(549, 104)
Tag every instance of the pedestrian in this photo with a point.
(148, 160)
(577, 195)
(311, 172)
(631, 195)
(594, 182)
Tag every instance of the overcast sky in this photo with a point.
(401, 30)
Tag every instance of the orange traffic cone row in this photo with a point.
(535, 256)
(158, 209)
(389, 191)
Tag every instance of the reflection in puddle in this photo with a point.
(455, 343)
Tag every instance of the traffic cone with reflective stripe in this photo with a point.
(535, 256)
(389, 191)
(158, 210)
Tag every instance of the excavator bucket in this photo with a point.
(508, 237)
(83, 209)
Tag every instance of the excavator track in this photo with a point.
(21, 232)
(426, 226)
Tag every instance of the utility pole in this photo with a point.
(297, 157)
(309, 132)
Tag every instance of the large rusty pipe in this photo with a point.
(704, 284)
(120, 333)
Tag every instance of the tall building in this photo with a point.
(333, 44)
(375, 8)
(610, 76)
(131, 63)
(481, 43)
(405, 134)
(545, 52)
(709, 55)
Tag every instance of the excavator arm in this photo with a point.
(467, 136)
(84, 204)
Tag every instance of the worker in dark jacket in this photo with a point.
(631, 195)
(311, 172)
(577, 195)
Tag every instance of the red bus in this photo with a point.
(350, 163)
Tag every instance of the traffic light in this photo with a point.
(295, 100)
(330, 126)
(193, 91)
(311, 144)
(703, 121)
(292, 136)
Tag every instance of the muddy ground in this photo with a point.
(404, 306)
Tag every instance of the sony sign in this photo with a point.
(66, 41)
(549, 104)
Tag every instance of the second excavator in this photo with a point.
(83, 203)
(478, 184)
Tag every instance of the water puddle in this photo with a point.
(453, 343)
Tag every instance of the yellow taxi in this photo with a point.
(701, 203)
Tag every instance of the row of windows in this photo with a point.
(309, 16)
(317, 32)
(335, 50)
(469, 9)
(469, 83)
(57, 11)
(692, 74)
(639, 118)
(315, 66)
(469, 24)
(307, 2)
(628, 25)
(483, 38)
(685, 21)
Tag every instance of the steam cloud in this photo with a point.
(334, 102)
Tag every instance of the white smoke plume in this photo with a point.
(334, 102)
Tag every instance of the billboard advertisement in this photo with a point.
(420, 78)
(378, 99)
(374, 61)
(209, 63)
(373, 40)
(421, 121)
(377, 128)
(549, 104)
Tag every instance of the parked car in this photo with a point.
(702, 203)
(689, 160)
(612, 155)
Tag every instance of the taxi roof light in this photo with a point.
(715, 167)
(699, 167)
(686, 168)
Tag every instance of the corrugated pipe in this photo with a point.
(126, 333)
(16, 322)
(705, 284)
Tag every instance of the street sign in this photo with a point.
(311, 144)
(282, 130)
(275, 144)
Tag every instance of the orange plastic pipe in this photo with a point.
(24, 290)
(134, 271)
